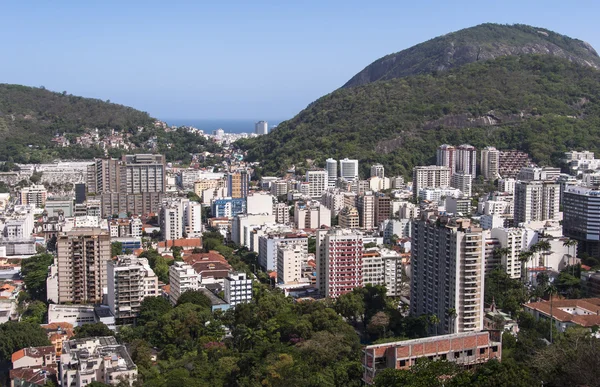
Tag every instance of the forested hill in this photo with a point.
(540, 104)
(31, 117)
(479, 43)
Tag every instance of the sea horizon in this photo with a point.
(228, 125)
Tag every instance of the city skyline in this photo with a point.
(236, 60)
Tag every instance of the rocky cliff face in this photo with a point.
(480, 43)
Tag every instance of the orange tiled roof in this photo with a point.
(591, 305)
(33, 352)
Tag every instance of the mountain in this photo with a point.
(31, 117)
(479, 43)
(540, 104)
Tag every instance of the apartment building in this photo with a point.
(171, 220)
(366, 210)
(238, 183)
(311, 214)
(448, 272)
(446, 157)
(383, 208)
(125, 228)
(331, 166)
(349, 169)
(463, 182)
(135, 183)
(334, 200)
(490, 163)
(349, 218)
(430, 177)
(536, 200)
(466, 160)
(269, 243)
(378, 170)
(182, 277)
(581, 221)
(81, 262)
(339, 261)
(317, 182)
(130, 280)
(290, 258)
(95, 359)
(35, 195)
(511, 162)
(515, 241)
(237, 288)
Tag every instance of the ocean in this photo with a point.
(229, 126)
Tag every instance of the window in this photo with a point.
(470, 352)
(402, 363)
(456, 355)
(495, 348)
(481, 351)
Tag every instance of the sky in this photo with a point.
(237, 59)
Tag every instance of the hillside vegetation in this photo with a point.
(479, 43)
(30, 117)
(540, 104)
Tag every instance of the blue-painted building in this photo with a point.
(228, 207)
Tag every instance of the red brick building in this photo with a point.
(466, 349)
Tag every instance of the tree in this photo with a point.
(434, 321)
(195, 297)
(571, 243)
(152, 308)
(92, 330)
(17, 335)
(350, 306)
(451, 314)
(35, 312)
(35, 272)
(524, 257)
(379, 324)
(116, 248)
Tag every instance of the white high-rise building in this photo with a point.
(377, 170)
(237, 289)
(507, 185)
(261, 127)
(366, 210)
(193, 219)
(490, 163)
(463, 182)
(318, 181)
(448, 273)
(536, 200)
(171, 220)
(130, 280)
(446, 157)
(466, 159)
(332, 172)
(349, 169)
(514, 239)
(289, 262)
(430, 177)
(182, 277)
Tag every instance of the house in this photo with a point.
(33, 377)
(583, 312)
(34, 357)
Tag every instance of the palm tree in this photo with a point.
(501, 252)
(544, 246)
(570, 243)
(434, 320)
(551, 291)
(524, 257)
(451, 314)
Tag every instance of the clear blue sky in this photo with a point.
(237, 59)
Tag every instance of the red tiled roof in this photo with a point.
(591, 305)
(33, 352)
(34, 376)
